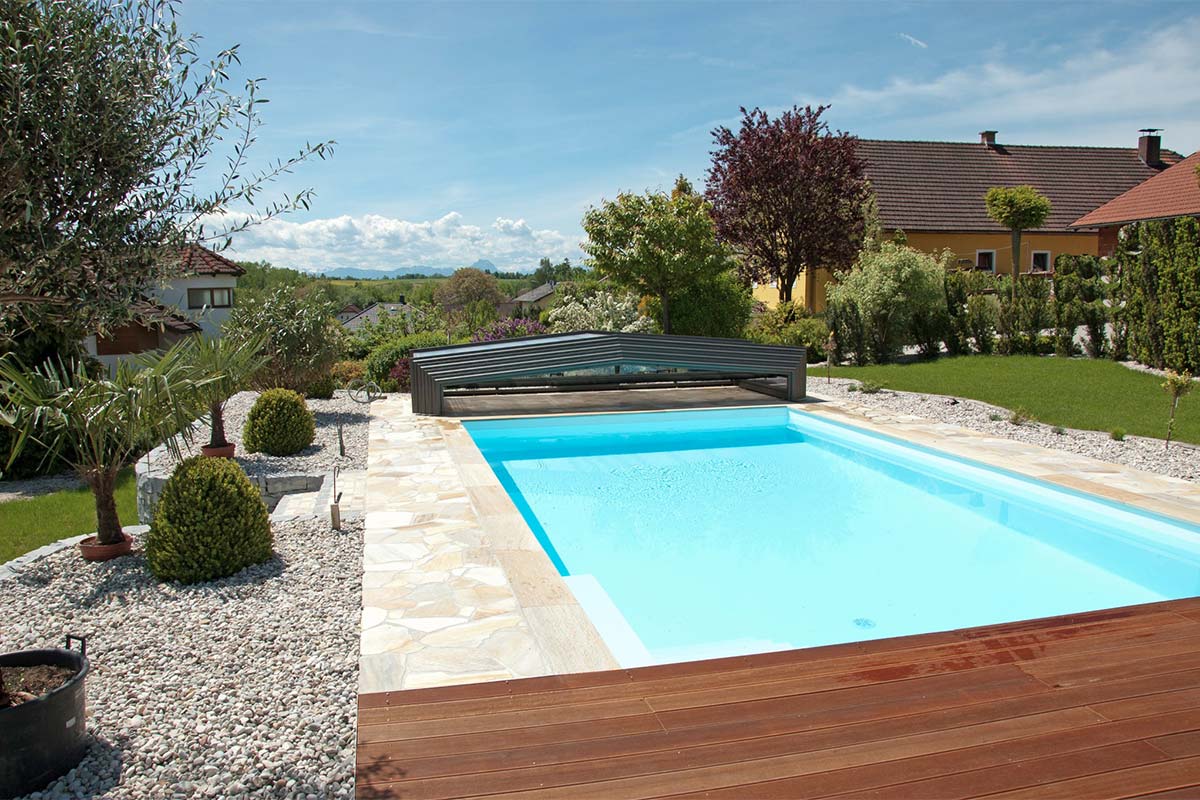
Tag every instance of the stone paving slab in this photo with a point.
(455, 587)
(1161, 494)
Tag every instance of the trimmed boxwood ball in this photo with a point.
(321, 388)
(210, 522)
(279, 424)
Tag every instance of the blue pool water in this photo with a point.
(698, 534)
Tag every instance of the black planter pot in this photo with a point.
(41, 740)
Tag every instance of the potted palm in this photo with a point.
(229, 364)
(98, 426)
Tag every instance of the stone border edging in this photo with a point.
(13, 568)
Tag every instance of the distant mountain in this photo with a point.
(360, 274)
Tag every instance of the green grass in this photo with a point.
(29, 524)
(1092, 394)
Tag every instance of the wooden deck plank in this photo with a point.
(1102, 704)
(773, 679)
(858, 780)
(1121, 783)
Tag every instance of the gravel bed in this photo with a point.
(321, 456)
(1180, 461)
(243, 687)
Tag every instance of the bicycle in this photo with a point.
(363, 391)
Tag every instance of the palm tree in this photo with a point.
(98, 426)
(230, 365)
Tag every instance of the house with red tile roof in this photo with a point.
(1173, 193)
(933, 192)
(198, 302)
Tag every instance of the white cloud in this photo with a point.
(914, 41)
(372, 241)
(1100, 96)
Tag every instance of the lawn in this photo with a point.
(1075, 393)
(29, 524)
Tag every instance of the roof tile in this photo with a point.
(1174, 192)
(940, 185)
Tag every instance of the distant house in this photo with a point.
(1172, 193)
(536, 299)
(348, 312)
(197, 302)
(376, 311)
(933, 192)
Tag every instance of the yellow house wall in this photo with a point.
(963, 245)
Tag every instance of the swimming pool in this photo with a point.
(697, 534)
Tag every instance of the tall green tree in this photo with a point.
(655, 244)
(108, 118)
(1018, 208)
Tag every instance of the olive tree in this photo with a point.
(109, 119)
(297, 333)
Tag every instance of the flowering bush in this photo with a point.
(602, 311)
(509, 328)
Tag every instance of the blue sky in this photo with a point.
(483, 130)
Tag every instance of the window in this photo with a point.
(213, 298)
(1041, 261)
(985, 259)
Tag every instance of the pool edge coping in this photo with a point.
(549, 619)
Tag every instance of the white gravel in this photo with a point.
(319, 457)
(1181, 460)
(244, 687)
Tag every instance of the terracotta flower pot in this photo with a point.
(92, 551)
(218, 452)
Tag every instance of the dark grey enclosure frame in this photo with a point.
(522, 364)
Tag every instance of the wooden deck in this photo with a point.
(1096, 705)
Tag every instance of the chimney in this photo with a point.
(988, 139)
(1149, 146)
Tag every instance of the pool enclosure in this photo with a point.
(598, 360)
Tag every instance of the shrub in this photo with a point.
(714, 306)
(870, 387)
(1117, 434)
(321, 388)
(387, 327)
(892, 297)
(1080, 290)
(1156, 293)
(401, 374)
(1024, 315)
(981, 323)
(303, 338)
(510, 328)
(790, 324)
(279, 424)
(210, 522)
(384, 358)
(1059, 430)
(343, 372)
(598, 311)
